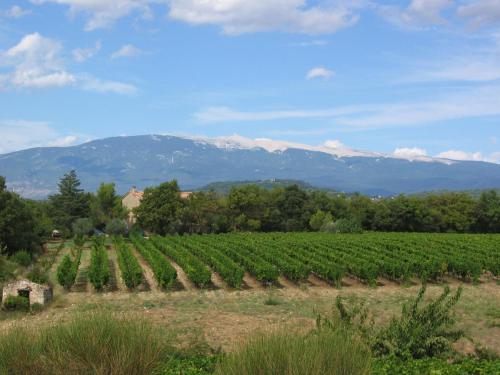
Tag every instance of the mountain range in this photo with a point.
(148, 160)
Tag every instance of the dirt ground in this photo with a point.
(224, 318)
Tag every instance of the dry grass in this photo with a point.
(224, 317)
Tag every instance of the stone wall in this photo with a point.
(38, 293)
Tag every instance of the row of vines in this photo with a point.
(400, 257)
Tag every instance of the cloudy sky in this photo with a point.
(410, 76)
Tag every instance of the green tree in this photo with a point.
(319, 219)
(116, 227)
(82, 227)
(161, 208)
(70, 203)
(487, 212)
(106, 205)
(292, 206)
(204, 212)
(18, 227)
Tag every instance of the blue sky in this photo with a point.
(416, 76)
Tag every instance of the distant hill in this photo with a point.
(151, 159)
(475, 193)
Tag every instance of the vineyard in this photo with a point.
(296, 257)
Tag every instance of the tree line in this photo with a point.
(24, 224)
(252, 208)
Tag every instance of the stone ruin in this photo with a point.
(36, 293)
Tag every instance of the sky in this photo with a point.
(411, 77)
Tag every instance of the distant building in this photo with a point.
(133, 199)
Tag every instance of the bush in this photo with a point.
(420, 331)
(23, 258)
(95, 344)
(325, 352)
(38, 275)
(16, 303)
(83, 227)
(79, 240)
(116, 227)
(433, 366)
(349, 225)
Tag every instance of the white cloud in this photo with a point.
(36, 63)
(481, 12)
(409, 153)
(418, 13)
(311, 43)
(104, 86)
(467, 103)
(103, 13)
(469, 69)
(320, 72)
(225, 114)
(16, 11)
(494, 157)
(243, 16)
(20, 134)
(83, 54)
(128, 50)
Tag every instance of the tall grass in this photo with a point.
(93, 344)
(324, 352)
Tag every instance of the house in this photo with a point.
(133, 199)
(36, 293)
(130, 201)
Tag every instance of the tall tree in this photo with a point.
(487, 212)
(17, 222)
(161, 208)
(106, 206)
(70, 204)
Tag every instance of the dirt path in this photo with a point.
(149, 281)
(117, 279)
(82, 284)
(286, 283)
(252, 282)
(182, 277)
(219, 282)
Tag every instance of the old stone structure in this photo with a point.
(35, 292)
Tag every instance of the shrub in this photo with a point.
(349, 225)
(38, 275)
(22, 257)
(420, 331)
(83, 227)
(94, 344)
(319, 219)
(79, 240)
(116, 227)
(99, 273)
(326, 352)
(16, 303)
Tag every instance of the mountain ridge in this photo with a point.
(148, 160)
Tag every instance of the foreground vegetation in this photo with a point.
(341, 343)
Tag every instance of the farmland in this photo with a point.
(215, 289)
(268, 259)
